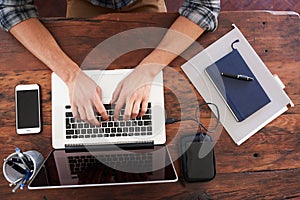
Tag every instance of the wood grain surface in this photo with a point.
(264, 167)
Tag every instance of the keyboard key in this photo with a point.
(128, 123)
(70, 132)
(101, 130)
(68, 126)
(104, 124)
(95, 130)
(134, 123)
(69, 114)
(110, 112)
(119, 130)
(148, 112)
(145, 117)
(147, 123)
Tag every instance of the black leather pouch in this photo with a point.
(197, 159)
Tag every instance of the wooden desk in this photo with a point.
(267, 165)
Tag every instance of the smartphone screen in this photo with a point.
(28, 109)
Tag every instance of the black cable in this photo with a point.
(197, 112)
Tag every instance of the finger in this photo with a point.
(128, 109)
(144, 108)
(102, 111)
(75, 111)
(99, 105)
(81, 113)
(116, 93)
(118, 107)
(135, 109)
(90, 115)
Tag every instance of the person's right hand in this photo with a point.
(85, 95)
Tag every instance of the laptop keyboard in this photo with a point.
(140, 126)
(131, 161)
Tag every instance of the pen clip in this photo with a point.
(236, 41)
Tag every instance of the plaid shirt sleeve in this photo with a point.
(202, 12)
(13, 12)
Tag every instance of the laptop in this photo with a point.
(114, 153)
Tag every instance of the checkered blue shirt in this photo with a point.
(202, 12)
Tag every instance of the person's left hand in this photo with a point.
(133, 91)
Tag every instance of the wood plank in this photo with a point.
(261, 185)
(70, 36)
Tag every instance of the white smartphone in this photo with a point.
(28, 114)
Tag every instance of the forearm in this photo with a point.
(178, 38)
(38, 40)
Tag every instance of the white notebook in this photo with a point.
(274, 88)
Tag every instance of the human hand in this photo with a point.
(133, 91)
(85, 95)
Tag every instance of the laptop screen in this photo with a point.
(64, 169)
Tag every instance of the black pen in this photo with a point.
(237, 76)
(16, 167)
(23, 158)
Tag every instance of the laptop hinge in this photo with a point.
(103, 147)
